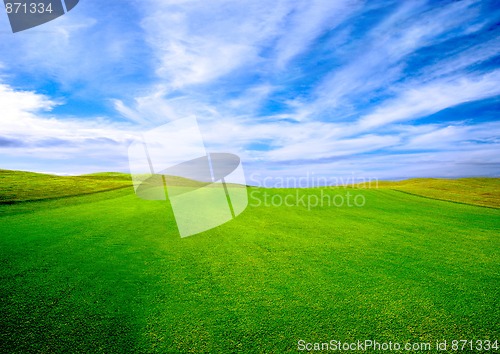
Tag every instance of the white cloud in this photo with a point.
(20, 104)
(430, 98)
(306, 22)
(463, 59)
(452, 137)
(313, 149)
(377, 60)
(197, 42)
(202, 41)
(30, 133)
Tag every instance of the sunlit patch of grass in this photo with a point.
(17, 186)
(475, 191)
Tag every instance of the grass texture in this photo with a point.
(107, 272)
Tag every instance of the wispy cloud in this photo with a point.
(306, 21)
(197, 42)
(378, 59)
(429, 98)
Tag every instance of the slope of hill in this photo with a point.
(21, 186)
(18, 186)
(474, 191)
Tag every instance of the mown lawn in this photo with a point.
(107, 272)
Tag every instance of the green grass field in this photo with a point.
(107, 272)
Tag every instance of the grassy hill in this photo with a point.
(108, 272)
(21, 186)
(476, 191)
(18, 186)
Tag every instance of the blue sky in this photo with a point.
(380, 89)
